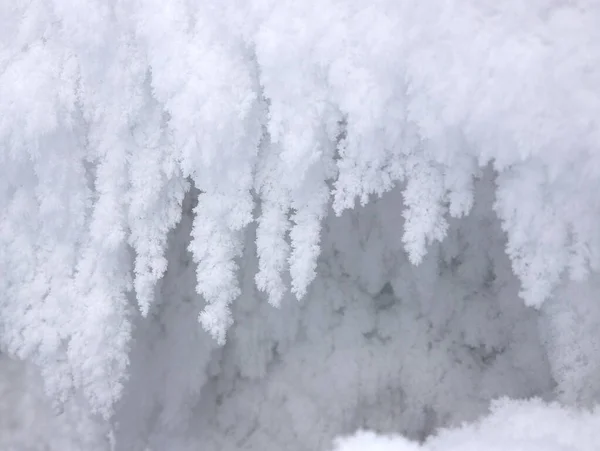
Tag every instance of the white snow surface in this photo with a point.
(511, 426)
(263, 224)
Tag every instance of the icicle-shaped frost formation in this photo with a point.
(216, 118)
(371, 94)
(156, 194)
(100, 343)
(304, 137)
(44, 194)
(272, 247)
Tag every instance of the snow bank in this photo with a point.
(511, 426)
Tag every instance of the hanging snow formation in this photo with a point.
(275, 116)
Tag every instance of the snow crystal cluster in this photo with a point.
(260, 224)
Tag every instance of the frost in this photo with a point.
(423, 161)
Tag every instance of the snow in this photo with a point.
(262, 224)
(511, 426)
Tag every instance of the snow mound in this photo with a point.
(511, 426)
